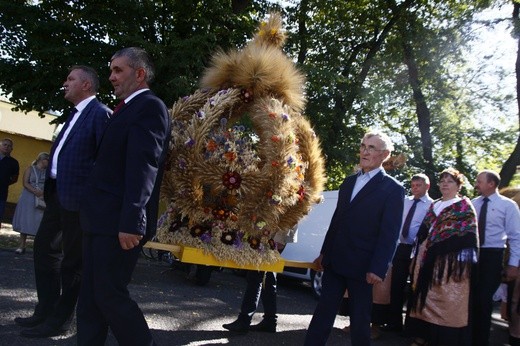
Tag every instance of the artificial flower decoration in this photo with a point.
(231, 180)
(220, 213)
(254, 242)
(197, 230)
(228, 237)
(246, 96)
(244, 162)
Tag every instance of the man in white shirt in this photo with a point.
(57, 264)
(415, 208)
(499, 220)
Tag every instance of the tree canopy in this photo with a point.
(405, 66)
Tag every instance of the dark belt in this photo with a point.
(405, 245)
(491, 249)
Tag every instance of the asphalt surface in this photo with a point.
(178, 311)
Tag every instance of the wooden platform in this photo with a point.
(197, 256)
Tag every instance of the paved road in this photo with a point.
(180, 312)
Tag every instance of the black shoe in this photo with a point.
(264, 326)
(42, 331)
(29, 322)
(239, 326)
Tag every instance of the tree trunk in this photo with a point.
(423, 114)
(302, 31)
(239, 6)
(509, 167)
(421, 107)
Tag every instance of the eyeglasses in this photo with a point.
(370, 149)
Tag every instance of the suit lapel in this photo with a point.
(80, 120)
(368, 188)
(60, 135)
(120, 115)
(128, 105)
(349, 187)
(62, 132)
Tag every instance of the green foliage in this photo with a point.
(40, 40)
(358, 80)
(353, 53)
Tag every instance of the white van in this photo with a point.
(311, 233)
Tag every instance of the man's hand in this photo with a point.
(317, 263)
(373, 279)
(128, 240)
(510, 273)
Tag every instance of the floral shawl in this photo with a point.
(451, 244)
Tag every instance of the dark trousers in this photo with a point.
(104, 299)
(489, 276)
(57, 262)
(260, 285)
(360, 306)
(400, 273)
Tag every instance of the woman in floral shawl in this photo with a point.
(445, 254)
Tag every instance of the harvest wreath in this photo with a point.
(244, 163)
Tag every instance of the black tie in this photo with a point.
(409, 217)
(73, 111)
(482, 221)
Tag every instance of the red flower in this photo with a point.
(220, 213)
(230, 156)
(212, 145)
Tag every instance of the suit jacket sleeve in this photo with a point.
(145, 143)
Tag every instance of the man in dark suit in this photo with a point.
(120, 209)
(9, 171)
(360, 242)
(58, 266)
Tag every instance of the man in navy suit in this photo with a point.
(120, 209)
(360, 242)
(57, 266)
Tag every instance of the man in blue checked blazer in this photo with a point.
(120, 208)
(360, 242)
(57, 246)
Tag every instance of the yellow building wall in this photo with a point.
(25, 150)
(31, 135)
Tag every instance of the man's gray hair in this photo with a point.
(88, 74)
(387, 142)
(421, 176)
(138, 58)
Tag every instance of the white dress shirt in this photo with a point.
(135, 93)
(420, 212)
(502, 222)
(362, 179)
(80, 107)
